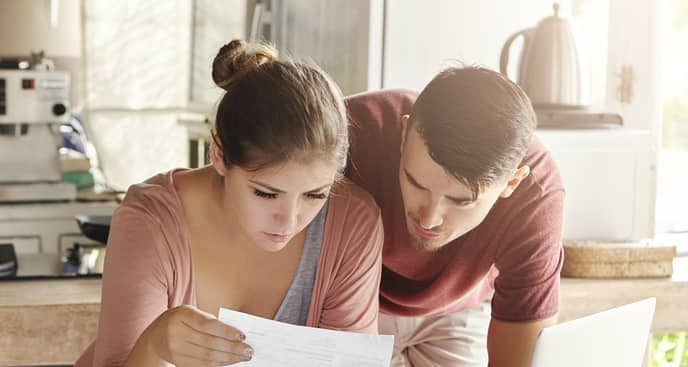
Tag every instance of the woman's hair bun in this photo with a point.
(238, 56)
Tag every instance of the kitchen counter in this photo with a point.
(53, 321)
(580, 297)
(47, 321)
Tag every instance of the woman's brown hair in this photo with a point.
(276, 109)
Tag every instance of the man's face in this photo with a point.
(439, 208)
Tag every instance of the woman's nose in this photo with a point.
(287, 216)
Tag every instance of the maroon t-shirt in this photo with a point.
(514, 256)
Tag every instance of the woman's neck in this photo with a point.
(222, 214)
(206, 206)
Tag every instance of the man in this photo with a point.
(472, 207)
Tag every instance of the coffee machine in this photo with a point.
(33, 105)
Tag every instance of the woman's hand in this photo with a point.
(186, 336)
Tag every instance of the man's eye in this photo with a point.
(412, 181)
(462, 203)
(318, 196)
(263, 194)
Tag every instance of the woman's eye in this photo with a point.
(263, 194)
(318, 196)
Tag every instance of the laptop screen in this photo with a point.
(611, 338)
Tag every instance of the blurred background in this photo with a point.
(133, 77)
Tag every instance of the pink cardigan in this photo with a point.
(148, 267)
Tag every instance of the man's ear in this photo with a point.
(515, 180)
(404, 126)
(217, 159)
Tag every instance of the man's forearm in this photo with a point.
(511, 344)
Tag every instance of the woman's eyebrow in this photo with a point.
(279, 191)
(266, 186)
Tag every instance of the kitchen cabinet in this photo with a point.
(46, 227)
(609, 178)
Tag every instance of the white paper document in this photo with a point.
(279, 344)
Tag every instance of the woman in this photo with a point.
(267, 229)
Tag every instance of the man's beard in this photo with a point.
(422, 244)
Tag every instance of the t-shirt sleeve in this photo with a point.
(374, 136)
(364, 160)
(352, 302)
(527, 287)
(135, 286)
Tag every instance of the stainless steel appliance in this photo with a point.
(81, 259)
(33, 104)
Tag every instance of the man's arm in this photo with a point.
(511, 344)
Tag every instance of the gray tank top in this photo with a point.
(295, 306)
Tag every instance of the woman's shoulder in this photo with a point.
(154, 196)
(152, 206)
(353, 219)
(347, 197)
(149, 223)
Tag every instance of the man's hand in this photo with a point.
(511, 344)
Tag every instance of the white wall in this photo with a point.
(421, 36)
(137, 58)
(215, 23)
(25, 26)
(145, 68)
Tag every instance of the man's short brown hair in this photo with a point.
(476, 123)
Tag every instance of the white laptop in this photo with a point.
(616, 337)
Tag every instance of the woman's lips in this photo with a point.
(278, 238)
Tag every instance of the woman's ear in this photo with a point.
(217, 159)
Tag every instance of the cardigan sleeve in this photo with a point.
(351, 301)
(135, 287)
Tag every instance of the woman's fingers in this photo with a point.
(217, 343)
(204, 356)
(188, 337)
(208, 324)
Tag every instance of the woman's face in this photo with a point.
(273, 204)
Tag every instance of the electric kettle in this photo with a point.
(549, 67)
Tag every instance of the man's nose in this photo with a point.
(431, 215)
